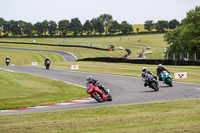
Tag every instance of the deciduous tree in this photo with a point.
(76, 26)
(45, 26)
(161, 25)
(114, 28)
(149, 25)
(186, 38)
(87, 27)
(106, 20)
(28, 29)
(52, 27)
(38, 28)
(125, 27)
(64, 26)
(173, 24)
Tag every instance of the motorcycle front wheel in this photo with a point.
(109, 97)
(47, 66)
(168, 82)
(154, 86)
(97, 97)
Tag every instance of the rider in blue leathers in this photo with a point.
(144, 75)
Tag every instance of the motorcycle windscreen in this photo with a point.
(89, 87)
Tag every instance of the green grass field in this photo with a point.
(21, 57)
(22, 90)
(155, 41)
(79, 52)
(181, 116)
(19, 90)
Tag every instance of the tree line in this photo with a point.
(97, 26)
(161, 25)
(186, 37)
(104, 24)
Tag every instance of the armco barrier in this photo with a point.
(142, 61)
(58, 45)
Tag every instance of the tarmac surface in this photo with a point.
(124, 89)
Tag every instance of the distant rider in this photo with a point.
(7, 58)
(47, 59)
(159, 70)
(91, 80)
(144, 75)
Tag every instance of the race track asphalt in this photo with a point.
(124, 89)
(66, 55)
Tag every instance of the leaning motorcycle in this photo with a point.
(167, 79)
(152, 82)
(98, 94)
(47, 64)
(7, 61)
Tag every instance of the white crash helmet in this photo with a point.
(89, 78)
(144, 69)
(159, 65)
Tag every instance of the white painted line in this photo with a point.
(83, 100)
(62, 81)
(73, 55)
(46, 77)
(65, 103)
(37, 107)
(7, 70)
(5, 111)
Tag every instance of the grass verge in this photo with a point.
(22, 90)
(171, 116)
(22, 57)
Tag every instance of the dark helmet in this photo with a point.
(144, 69)
(89, 78)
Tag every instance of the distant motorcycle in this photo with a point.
(47, 64)
(98, 94)
(167, 79)
(7, 61)
(152, 82)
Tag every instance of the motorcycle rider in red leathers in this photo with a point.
(91, 80)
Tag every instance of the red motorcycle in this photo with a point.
(98, 94)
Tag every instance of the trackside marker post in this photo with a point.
(180, 75)
(74, 67)
(34, 63)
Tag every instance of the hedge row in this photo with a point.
(142, 61)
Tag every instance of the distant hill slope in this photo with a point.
(141, 28)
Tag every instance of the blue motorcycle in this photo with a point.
(167, 79)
